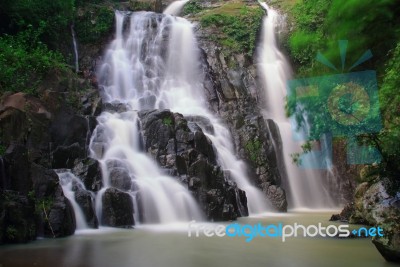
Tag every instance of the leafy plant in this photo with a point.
(24, 60)
(94, 23)
(192, 7)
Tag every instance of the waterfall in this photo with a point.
(75, 48)
(307, 187)
(155, 65)
(68, 181)
(175, 7)
(131, 74)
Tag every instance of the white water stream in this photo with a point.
(307, 187)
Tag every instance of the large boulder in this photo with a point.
(375, 205)
(117, 209)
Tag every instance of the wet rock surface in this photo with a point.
(183, 151)
(233, 92)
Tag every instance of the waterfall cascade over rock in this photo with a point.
(308, 188)
(153, 64)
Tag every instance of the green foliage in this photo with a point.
(53, 16)
(390, 104)
(319, 24)
(168, 121)
(24, 60)
(192, 7)
(253, 147)
(11, 233)
(308, 37)
(366, 24)
(238, 24)
(94, 23)
(43, 206)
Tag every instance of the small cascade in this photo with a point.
(175, 7)
(76, 56)
(307, 187)
(69, 182)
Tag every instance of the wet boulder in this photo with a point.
(117, 209)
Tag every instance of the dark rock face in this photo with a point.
(231, 89)
(181, 148)
(17, 225)
(117, 208)
(39, 135)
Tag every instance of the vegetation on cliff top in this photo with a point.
(237, 26)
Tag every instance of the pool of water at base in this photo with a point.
(170, 246)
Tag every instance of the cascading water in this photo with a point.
(129, 75)
(146, 70)
(67, 182)
(76, 56)
(175, 7)
(308, 188)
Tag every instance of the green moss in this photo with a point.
(253, 148)
(168, 121)
(238, 26)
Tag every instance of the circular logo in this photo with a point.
(349, 104)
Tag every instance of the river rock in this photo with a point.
(117, 209)
(89, 171)
(120, 178)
